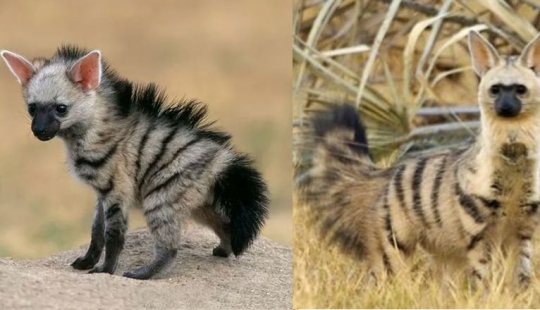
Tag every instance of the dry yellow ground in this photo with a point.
(233, 55)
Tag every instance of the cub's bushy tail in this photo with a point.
(242, 195)
(339, 180)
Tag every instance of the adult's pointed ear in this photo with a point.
(87, 71)
(530, 57)
(21, 68)
(484, 56)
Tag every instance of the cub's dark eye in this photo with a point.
(61, 109)
(32, 109)
(495, 90)
(521, 89)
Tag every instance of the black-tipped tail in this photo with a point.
(346, 118)
(242, 195)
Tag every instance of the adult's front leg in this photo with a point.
(97, 242)
(524, 265)
(115, 229)
(478, 255)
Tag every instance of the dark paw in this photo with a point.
(221, 252)
(102, 269)
(139, 274)
(83, 263)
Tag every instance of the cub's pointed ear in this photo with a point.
(530, 57)
(21, 68)
(87, 71)
(484, 56)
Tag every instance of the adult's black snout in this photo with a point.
(507, 104)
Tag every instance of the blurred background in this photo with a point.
(232, 55)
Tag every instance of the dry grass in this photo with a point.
(234, 56)
(405, 64)
(326, 278)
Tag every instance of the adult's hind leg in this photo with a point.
(164, 223)
(209, 217)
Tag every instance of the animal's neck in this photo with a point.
(506, 159)
(511, 139)
(105, 128)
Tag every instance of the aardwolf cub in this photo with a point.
(457, 205)
(135, 150)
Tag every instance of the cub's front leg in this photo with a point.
(115, 216)
(91, 258)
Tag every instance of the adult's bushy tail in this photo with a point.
(242, 195)
(336, 141)
(339, 181)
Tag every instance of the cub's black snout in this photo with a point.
(45, 126)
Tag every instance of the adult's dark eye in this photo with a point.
(495, 90)
(61, 109)
(521, 89)
(32, 109)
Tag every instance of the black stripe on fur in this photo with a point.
(240, 193)
(343, 117)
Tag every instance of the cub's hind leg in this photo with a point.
(208, 217)
(164, 222)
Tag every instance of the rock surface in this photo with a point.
(259, 279)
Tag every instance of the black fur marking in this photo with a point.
(398, 185)
(112, 211)
(475, 273)
(98, 162)
(416, 189)
(468, 204)
(386, 263)
(390, 234)
(490, 203)
(525, 254)
(343, 116)
(523, 237)
(474, 240)
(218, 137)
(531, 208)
(175, 156)
(436, 189)
(156, 222)
(497, 188)
(154, 209)
(150, 101)
(106, 190)
(187, 173)
(242, 195)
(142, 145)
(170, 180)
(163, 148)
(392, 238)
